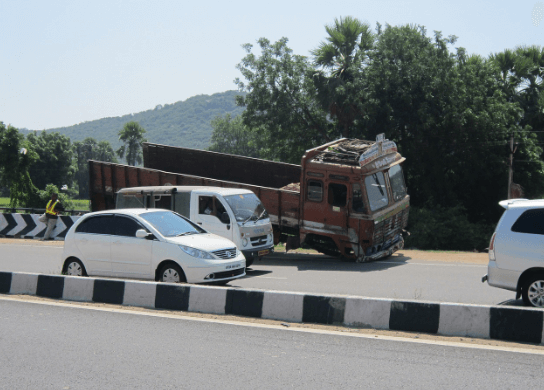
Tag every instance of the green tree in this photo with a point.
(132, 135)
(281, 100)
(16, 157)
(230, 135)
(89, 149)
(54, 163)
(339, 80)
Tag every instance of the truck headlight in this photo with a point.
(244, 241)
(196, 252)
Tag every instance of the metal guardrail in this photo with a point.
(38, 211)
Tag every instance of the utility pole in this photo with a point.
(510, 173)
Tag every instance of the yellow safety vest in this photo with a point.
(50, 209)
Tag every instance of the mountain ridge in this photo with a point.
(185, 123)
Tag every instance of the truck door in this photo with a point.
(212, 215)
(337, 200)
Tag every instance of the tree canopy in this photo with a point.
(132, 136)
(451, 113)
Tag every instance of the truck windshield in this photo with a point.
(376, 191)
(130, 201)
(246, 207)
(170, 224)
(397, 182)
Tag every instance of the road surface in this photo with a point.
(398, 277)
(57, 347)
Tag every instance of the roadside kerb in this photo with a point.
(447, 319)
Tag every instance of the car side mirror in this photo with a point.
(141, 233)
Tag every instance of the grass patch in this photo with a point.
(4, 202)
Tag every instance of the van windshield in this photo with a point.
(170, 224)
(130, 201)
(246, 207)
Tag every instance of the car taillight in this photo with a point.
(492, 247)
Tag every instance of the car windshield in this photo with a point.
(170, 224)
(246, 207)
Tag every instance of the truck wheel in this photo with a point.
(533, 291)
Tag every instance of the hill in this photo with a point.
(185, 123)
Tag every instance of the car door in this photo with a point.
(130, 256)
(210, 209)
(93, 239)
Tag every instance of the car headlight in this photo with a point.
(196, 252)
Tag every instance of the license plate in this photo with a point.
(265, 252)
(233, 266)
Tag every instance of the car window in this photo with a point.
(170, 224)
(530, 222)
(100, 224)
(125, 226)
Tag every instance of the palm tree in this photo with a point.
(132, 135)
(341, 58)
(347, 44)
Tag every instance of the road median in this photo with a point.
(436, 318)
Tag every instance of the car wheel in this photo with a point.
(74, 267)
(171, 273)
(533, 291)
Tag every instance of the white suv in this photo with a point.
(516, 251)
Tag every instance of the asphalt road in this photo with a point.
(397, 277)
(52, 347)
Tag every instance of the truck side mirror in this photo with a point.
(224, 218)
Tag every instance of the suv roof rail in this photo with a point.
(507, 203)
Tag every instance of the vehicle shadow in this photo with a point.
(252, 273)
(319, 262)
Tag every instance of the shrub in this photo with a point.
(446, 229)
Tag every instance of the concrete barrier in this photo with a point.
(448, 319)
(27, 226)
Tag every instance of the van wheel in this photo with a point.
(249, 262)
(171, 273)
(533, 291)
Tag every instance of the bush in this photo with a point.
(446, 229)
(44, 196)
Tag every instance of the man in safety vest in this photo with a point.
(52, 214)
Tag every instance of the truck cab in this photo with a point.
(233, 213)
(354, 200)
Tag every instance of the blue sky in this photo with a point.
(66, 62)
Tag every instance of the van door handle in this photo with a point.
(200, 223)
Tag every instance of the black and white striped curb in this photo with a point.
(478, 321)
(27, 226)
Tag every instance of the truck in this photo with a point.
(348, 198)
(233, 213)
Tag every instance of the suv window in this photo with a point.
(101, 224)
(125, 226)
(530, 222)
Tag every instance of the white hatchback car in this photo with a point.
(516, 251)
(149, 244)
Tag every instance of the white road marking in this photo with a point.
(280, 327)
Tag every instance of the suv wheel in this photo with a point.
(533, 291)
